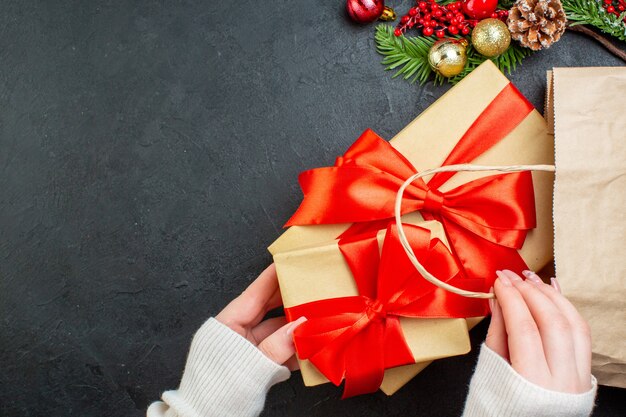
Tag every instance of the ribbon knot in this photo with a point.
(433, 201)
(375, 310)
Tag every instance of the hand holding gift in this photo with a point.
(244, 315)
(523, 369)
(540, 333)
(536, 360)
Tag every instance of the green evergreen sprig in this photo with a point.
(506, 4)
(591, 12)
(408, 55)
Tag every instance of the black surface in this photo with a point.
(148, 155)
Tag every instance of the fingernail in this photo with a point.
(492, 302)
(555, 284)
(503, 279)
(531, 276)
(294, 324)
(511, 275)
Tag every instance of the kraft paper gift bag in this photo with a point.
(588, 109)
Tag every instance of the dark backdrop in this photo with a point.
(149, 152)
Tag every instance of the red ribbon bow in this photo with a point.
(358, 337)
(485, 220)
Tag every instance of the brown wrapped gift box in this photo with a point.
(426, 142)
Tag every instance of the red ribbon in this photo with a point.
(358, 337)
(485, 220)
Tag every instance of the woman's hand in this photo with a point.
(540, 333)
(243, 315)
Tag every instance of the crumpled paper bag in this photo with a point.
(587, 108)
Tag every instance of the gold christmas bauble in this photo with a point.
(447, 57)
(388, 14)
(491, 37)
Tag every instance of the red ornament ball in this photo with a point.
(365, 11)
(479, 9)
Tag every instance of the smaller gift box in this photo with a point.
(372, 314)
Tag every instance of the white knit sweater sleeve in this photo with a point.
(497, 389)
(225, 376)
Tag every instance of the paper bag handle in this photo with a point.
(448, 168)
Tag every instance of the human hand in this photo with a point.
(244, 315)
(540, 333)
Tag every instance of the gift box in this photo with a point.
(337, 279)
(489, 221)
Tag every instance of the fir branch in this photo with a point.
(591, 12)
(408, 55)
(506, 4)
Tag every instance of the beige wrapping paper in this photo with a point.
(425, 142)
(588, 107)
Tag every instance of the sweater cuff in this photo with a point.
(497, 389)
(225, 375)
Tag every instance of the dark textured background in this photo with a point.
(149, 152)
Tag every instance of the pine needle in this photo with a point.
(591, 12)
(408, 56)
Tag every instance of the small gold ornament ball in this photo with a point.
(388, 14)
(491, 37)
(447, 57)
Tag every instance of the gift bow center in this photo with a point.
(375, 309)
(433, 201)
